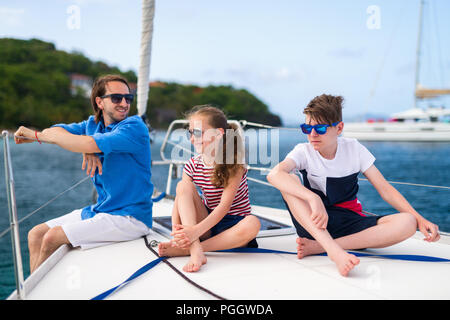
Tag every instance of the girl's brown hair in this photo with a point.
(99, 89)
(230, 154)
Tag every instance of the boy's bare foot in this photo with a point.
(307, 247)
(344, 261)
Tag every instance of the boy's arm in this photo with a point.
(59, 136)
(396, 200)
(281, 179)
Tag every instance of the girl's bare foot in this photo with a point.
(165, 249)
(197, 258)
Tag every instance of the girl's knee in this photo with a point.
(183, 187)
(250, 226)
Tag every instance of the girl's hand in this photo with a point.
(429, 229)
(91, 162)
(183, 236)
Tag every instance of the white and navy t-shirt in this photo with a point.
(336, 180)
(201, 174)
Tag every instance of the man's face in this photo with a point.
(114, 112)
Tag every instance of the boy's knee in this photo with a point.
(410, 223)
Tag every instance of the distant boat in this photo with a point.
(416, 124)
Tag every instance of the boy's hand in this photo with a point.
(24, 135)
(429, 229)
(318, 213)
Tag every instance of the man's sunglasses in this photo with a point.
(319, 128)
(117, 97)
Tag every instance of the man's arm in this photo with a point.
(60, 137)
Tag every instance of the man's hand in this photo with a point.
(91, 162)
(24, 135)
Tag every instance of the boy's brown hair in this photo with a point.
(99, 89)
(325, 109)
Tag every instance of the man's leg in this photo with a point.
(35, 236)
(52, 240)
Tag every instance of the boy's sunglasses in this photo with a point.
(117, 97)
(319, 128)
(197, 133)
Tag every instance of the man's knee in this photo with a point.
(53, 239)
(36, 234)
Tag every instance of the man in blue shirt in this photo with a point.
(116, 150)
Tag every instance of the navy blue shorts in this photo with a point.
(341, 222)
(226, 223)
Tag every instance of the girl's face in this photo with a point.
(204, 137)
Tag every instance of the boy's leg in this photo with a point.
(388, 231)
(52, 240)
(302, 213)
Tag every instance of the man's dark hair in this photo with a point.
(99, 89)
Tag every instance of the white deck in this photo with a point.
(252, 276)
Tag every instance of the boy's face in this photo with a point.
(321, 142)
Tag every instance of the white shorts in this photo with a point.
(100, 230)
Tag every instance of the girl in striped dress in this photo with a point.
(220, 218)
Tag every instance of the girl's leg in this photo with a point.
(302, 213)
(237, 236)
(188, 210)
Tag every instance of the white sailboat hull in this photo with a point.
(398, 131)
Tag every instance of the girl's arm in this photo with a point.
(389, 194)
(281, 179)
(228, 195)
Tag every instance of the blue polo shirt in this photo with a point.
(124, 188)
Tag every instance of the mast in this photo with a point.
(419, 39)
(148, 13)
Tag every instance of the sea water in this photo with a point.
(43, 171)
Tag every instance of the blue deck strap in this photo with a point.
(150, 265)
(139, 272)
(159, 197)
(406, 257)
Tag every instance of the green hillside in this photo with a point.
(36, 89)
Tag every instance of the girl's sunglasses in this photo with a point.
(197, 133)
(117, 97)
(319, 128)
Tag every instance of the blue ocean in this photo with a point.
(43, 171)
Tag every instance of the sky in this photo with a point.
(285, 52)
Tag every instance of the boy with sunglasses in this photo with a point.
(116, 152)
(325, 209)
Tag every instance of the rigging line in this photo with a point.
(45, 204)
(413, 184)
(181, 274)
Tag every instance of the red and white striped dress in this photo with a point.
(201, 174)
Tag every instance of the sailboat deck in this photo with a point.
(83, 274)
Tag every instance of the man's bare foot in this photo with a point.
(307, 247)
(165, 249)
(195, 262)
(344, 261)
